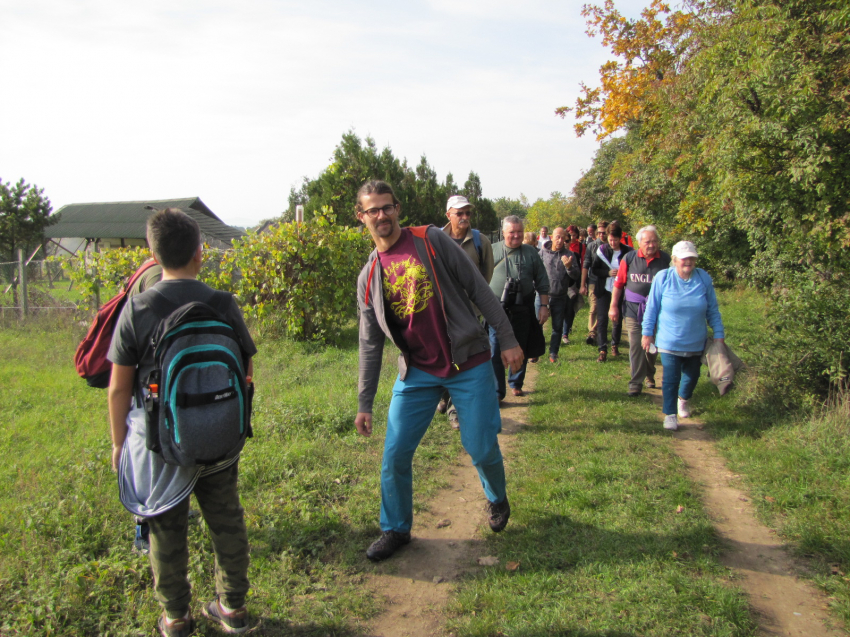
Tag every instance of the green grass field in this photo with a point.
(594, 485)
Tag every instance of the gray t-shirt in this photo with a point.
(131, 341)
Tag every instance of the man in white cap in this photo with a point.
(479, 250)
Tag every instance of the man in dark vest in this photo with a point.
(635, 275)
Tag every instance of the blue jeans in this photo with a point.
(411, 410)
(515, 378)
(681, 374)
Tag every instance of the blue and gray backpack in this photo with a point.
(197, 398)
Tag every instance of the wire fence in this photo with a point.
(31, 286)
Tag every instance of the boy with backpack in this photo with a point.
(150, 408)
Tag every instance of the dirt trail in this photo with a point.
(784, 604)
(417, 582)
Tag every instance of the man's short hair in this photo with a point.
(374, 187)
(546, 228)
(512, 220)
(592, 225)
(651, 229)
(173, 237)
(602, 224)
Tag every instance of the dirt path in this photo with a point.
(783, 603)
(447, 540)
(418, 581)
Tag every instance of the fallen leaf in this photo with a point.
(743, 499)
(769, 499)
(338, 481)
(512, 566)
(680, 508)
(571, 469)
(489, 560)
(552, 374)
(675, 554)
(444, 523)
(437, 579)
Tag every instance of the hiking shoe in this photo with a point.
(517, 392)
(231, 621)
(565, 340)
(553, 358)
(442, 406)
(603, 356)
(650, 383)
(591, 339)
(181, 627)
(499, 514)
(671, 422)
(386, 545)
(453, 421)
(141, 543)
(615, 351)
(634, 392)
(684, 410)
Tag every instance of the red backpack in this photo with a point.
(90, 357)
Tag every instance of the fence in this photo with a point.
(23, 280)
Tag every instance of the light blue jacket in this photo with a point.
(677, 311)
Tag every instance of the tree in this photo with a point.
(649, 51)
(24, 214)
(422, 196)
(556, 211)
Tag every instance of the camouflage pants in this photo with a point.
(218, 497)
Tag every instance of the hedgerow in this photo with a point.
(297, 280)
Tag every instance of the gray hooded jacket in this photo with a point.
(458, 284)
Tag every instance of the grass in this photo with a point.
(610, 537)
(309, 486)
(796, 465)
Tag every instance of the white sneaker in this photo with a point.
(671, 422)
(684, 410)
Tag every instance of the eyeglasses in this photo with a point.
(462, 213)
(387, 210)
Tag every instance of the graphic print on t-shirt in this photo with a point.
(407, 287)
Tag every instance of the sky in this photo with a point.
(235, 102)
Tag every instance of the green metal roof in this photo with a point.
(127, 219)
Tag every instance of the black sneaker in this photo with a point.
(591, 339)
(233, 622)
(386, 545)
(182, 627)
(499, 514)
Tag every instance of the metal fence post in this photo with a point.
(22, 278)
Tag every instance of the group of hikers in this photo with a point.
(463, 312)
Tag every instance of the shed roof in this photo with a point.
(127, 219)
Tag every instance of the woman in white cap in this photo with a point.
(681, 302)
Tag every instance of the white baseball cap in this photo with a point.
(684, 249)
(457, 202)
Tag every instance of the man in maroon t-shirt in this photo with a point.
(417, 289)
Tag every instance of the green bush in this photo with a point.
(298, 280)
(806, 350)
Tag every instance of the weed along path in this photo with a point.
(784, 604)
(417, 582)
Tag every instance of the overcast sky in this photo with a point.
(234, 102)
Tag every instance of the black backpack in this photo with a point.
(197, 398)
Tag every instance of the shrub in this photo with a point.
(297, 280)
(806, 347)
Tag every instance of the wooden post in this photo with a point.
(22, 277)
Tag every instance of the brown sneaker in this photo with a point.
(615, 351)
(231, 621)
(603, 356)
